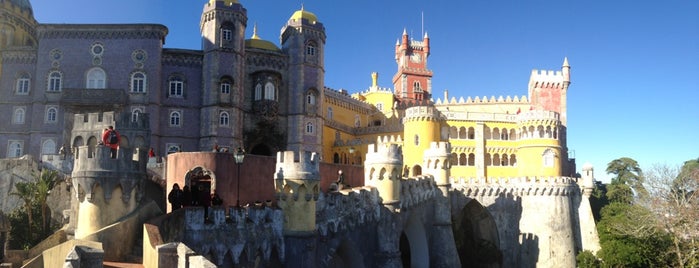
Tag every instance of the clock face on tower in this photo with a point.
(416, 58)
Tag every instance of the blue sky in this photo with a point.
(634, 64)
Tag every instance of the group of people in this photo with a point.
(196, 196)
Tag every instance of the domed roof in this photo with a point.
(24, 4)
(303, 14)
(256, 42)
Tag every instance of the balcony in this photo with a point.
(92, 97)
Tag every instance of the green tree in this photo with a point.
(47, 180)
(27, 192)
(628, 172)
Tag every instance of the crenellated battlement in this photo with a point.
(347, 209)
(95, 168)
(484, 99)
(92, 121)
(418, 190)
(388, 149)
(298, 165)
(519, 186)
(548, 79)
(440, 149)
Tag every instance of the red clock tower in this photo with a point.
(413, 81)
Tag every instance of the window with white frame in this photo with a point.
(548, 158)
(55, 81)
(330, 112)
(18, 115)
(48, 147)
(175, 118)
(310, 98)
(51, 115)
(379, 106)
(176, 87)
(22, 87)
(311, 49)
(223, 119)
(15, 149)
(225, 87)
(138, 82)
(269, 91)
(136, 113)
(258, 91)
(226, 34)
(309, 128)
(96, 78)
(416, 86)
(357, 120)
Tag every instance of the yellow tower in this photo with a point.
(382, 169)
(539, 147)
(421, 127)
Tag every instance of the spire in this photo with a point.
(565, 62)
(397, 43)
(405, 32)
(254, 32)
(426, 35)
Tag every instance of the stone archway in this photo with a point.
(201, 181)
(476, 236)
(414, 245)
(417, 171)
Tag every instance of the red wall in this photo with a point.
(256, 175)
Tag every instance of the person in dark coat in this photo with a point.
(175, 197)
(186, 196)
(204, 201)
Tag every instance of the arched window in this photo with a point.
(548, 158)
(270, 91)
(226, 34)
(513, 160)
(330, 112)
(136, 113)
(48, 147)
(357, 120)
(96, 78)
(486, 134)
(18, 116)
(496, 160)
(176, 86)
(22, 87)
(15, 149)
(311, 98)
(471, 159)
(51, 115)
(416, 86)
(417, 140)
(54, 81)
(138, 82)
(471, 133)
(258, 91)
(504, 134)
(309, 128)
(463, 159)
(311, 48)
(505, 160)
(173, 148)
(175, 119)
(223, 119)
(496, 134)
(488, 161)
(226, 87)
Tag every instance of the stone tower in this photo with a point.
(297, 185)
(17, 28)
(107, 189)
(412, 81)
(383, 169)
(589, 239)
(303, 39)
(540, 152)
(223, 26)
(438, 165)
(548, 90)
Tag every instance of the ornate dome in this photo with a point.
(303, 14)
(256, 42)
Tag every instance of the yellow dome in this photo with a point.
(257, 42)
(302, 14)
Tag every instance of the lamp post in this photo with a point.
(239, 156)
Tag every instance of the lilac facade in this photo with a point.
(233, 92)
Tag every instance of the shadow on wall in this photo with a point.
(489, 237)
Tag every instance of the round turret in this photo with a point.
(421, 127)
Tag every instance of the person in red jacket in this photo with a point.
(111, 138)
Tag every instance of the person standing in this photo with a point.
(111, 138)
(175, 197)
(186, 196)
